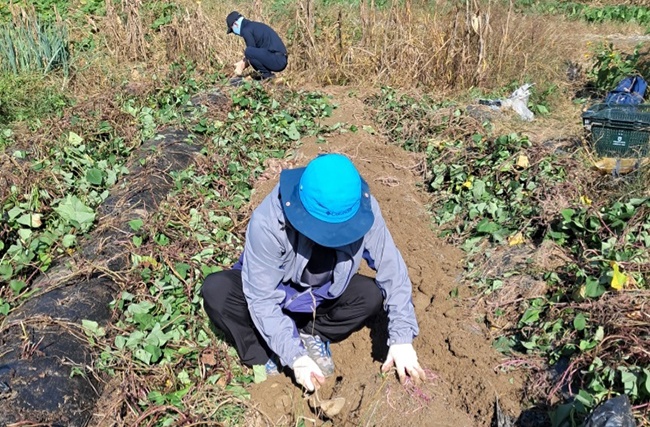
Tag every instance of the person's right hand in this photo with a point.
(307, 373)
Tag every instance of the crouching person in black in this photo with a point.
(265, 51)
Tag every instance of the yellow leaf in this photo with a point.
(619, 280)
(516, 239)
(522, 161)
(149, 261)
(468, 184)
(585, 200)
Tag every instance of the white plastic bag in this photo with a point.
(519, 102)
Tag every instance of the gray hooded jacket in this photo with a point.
(276, 254)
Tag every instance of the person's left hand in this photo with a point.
(405, 359)
(240, 66)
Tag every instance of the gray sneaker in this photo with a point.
(319, 351)
(272, 367)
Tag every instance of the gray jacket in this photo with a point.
(276, 254)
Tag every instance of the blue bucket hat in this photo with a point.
(327, 201)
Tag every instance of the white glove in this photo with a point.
(306, 370)
(405, 360)
(239, 67)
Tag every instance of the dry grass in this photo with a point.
(434, 47)
(127, 30)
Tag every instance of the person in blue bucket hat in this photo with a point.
(296, 288)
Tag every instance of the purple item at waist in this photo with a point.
(301, 300)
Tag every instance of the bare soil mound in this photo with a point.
(453, 347)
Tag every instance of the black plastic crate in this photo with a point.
(619, 130)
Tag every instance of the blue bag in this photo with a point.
(630, 91)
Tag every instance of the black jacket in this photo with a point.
(258, 34)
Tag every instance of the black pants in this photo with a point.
(224, 302)
(265, 61)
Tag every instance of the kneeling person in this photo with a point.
(296, 286)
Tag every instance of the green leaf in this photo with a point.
(593, 289)
(157, 337)
(486, 226)
(134, 339)
(585, 398)
(530, 316)
(600, 334)
(182, 269)
(567, 214)
(75, 212)
(143, 355)
(137, 241)
(156, 397)
(585, 345)
(17, 286)
(184, 377)
(478, 189)
(6, 271)
(503, 344)
(120, 342)
(24, 234)
(259, 373)
(141, 307)
(629, 381)
(136, 224)
(92, 328)
(14, 212)
(4, 307)
(580, 322)
(145, 321)
(238, 391)
(29, 219)
(562, 415)
(69, 240)
(94, 176)
(292, 132)
(161, 239)
(74, 139)
(176, 398)
(154, 351)
(206, 270)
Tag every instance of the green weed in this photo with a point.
(29, 96)
(27, 44)
(612, 65)
(589, 13)
(198, 232)
(51, 10)
(503, 191)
